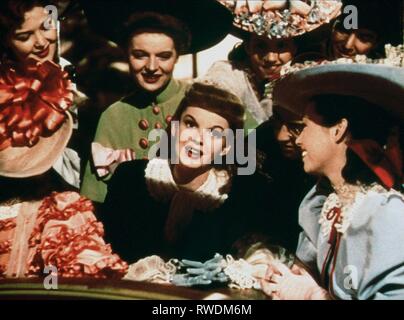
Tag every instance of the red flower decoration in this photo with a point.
(34, 104)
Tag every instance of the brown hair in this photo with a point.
(12, 14)
(366, 121)
(152, 21)
(216, 100)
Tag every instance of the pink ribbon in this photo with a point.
(106, 160)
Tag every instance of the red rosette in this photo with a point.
(33, 104)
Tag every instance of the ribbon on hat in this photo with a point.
(106, 160)
(33, 104)
(386, 163)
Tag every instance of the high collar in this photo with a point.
(162, 187)
(143, 99)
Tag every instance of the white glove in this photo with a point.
(281, 283)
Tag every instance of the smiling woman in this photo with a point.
(32, 82)
(152, 57)
(270, 31)
(26, 32)
(34, 40)
(188, 208)
(352, 219)
(153, 34)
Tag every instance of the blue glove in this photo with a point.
(201, 273)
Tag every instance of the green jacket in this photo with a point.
(126, 124)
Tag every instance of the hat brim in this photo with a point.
(378, 84)
(24, 162)
(208, 21)
(316, 35)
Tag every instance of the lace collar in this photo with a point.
(162, 187)
(349, 210)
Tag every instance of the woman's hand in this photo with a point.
(282, 283)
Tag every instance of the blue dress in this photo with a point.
(357, 251)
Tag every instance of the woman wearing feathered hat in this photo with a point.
(269, 30)
(353, 219)
(153, 34)
(29, 44)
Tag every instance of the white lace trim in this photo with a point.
(162, 187)
(9, 212)
(241, 274)
(151, 269)
(348, 212)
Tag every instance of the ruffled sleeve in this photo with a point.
(69, 237)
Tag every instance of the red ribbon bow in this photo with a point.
(34, 104)
(386, 163)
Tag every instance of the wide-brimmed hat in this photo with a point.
(208, 21)
(281, 19)
(24, 162)
(378, 84)
(34, 119)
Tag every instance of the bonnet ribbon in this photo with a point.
(386, 163)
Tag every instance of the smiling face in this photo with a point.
(348, 44)
(286, 127)
(36, 38)
(321, 152)
(200, 137)
(268, 56)
(152, 57)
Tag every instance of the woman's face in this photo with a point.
(287, 128)
(36, 38)
(348, 44)
(316, 144)
(201, 137)
(152, 57)
(268, 56)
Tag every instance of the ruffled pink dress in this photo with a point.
(59, 231)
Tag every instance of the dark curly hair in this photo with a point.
(152, 21)
(365, 121)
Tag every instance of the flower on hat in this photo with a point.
(282, 18)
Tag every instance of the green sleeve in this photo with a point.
(250, 122)
(93, 187)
